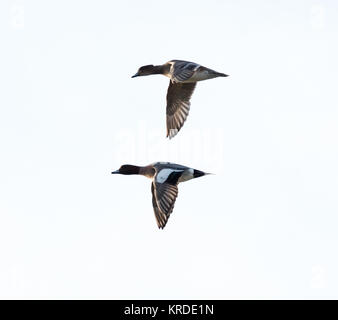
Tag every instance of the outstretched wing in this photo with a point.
(164, 197)
(178, 105)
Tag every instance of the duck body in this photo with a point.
(183, 77)
(165, 178)
(188, 72)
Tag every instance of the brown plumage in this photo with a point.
(165, 178)
(183, 77)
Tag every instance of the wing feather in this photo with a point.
(178, 105)
(183, 70)
(164, 197)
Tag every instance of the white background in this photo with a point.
(265, 226)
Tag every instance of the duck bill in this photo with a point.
(135, 75)
(115, 172)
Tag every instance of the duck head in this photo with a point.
(145, 71)
(127, 169)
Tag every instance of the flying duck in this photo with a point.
(165, 178)
(183, 76)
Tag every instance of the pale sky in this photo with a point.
(264, 226)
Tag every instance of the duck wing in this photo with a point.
(164, 197)
(183, 70)
(178, 105)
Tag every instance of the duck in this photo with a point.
(165, 177)
(183, 77)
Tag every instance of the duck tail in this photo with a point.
(220, 74)
(198, 173)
